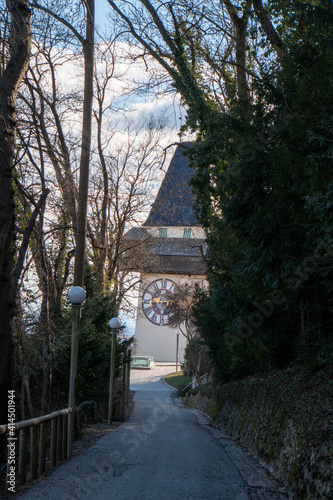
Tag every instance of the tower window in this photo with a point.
(187, 232)
(163, 232)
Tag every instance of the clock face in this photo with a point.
(157, 299)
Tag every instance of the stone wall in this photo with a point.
(285, 419)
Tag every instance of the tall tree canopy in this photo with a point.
(256, 80)
(54, 128)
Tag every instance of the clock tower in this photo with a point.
(176, 247)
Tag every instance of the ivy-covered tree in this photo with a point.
(269, 227)
(255, 77)
(15, 50)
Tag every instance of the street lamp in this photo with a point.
(76, 296)
(114, 324)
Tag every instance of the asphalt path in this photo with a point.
(165, 452)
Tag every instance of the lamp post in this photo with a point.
(123, 385)
(76, 296)
(114, 324)
(128, 371)
(177, 351)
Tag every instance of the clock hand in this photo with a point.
(157, 300)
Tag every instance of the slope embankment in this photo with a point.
(285, 418)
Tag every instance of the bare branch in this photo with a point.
(268, 27)
(25, 242)
(61, 20)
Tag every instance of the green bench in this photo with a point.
(145, 362)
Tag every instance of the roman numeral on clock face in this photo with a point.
(154, 318)
(148, 310)
(156, 300)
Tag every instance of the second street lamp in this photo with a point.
(77, 296)
(114, 324)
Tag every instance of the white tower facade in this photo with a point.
(177, 246)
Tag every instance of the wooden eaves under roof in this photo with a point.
(173, 207)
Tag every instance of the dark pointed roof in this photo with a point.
(174, 202)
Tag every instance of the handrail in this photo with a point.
(35, 421)
(186, 386)
(57, 449)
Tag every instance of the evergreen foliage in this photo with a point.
(94, 355)
(264, 191)
(94, 347)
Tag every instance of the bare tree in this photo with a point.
(181, 317)
(119, 189)
(87, 43)
(47, 164)
(204, 47)
(44, 143)
(131, 168)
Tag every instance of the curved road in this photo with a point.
(165, 452)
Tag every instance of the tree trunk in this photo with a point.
(240, 25)
(46, 342)
(102, 253)
(243, 91)
(9, 83)
(25, 243)
(80, 239)
(46, 285)
(268, 27)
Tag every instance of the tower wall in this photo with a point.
(155, 340)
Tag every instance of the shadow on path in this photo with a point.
(164, 451)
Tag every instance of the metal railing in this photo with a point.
(191, 383)
(54, 426)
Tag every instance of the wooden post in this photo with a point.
(8, 465)
(42, 448)
(64, 437)
(53, 458)
(59, 437)
(23, 456)
(33, 452)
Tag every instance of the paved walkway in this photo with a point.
(165, 452)
(151, 380)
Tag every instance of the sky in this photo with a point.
(101, 10)
(135, 108)
(163, 107)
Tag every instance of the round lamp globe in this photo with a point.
(77, 295)
(114, 323)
